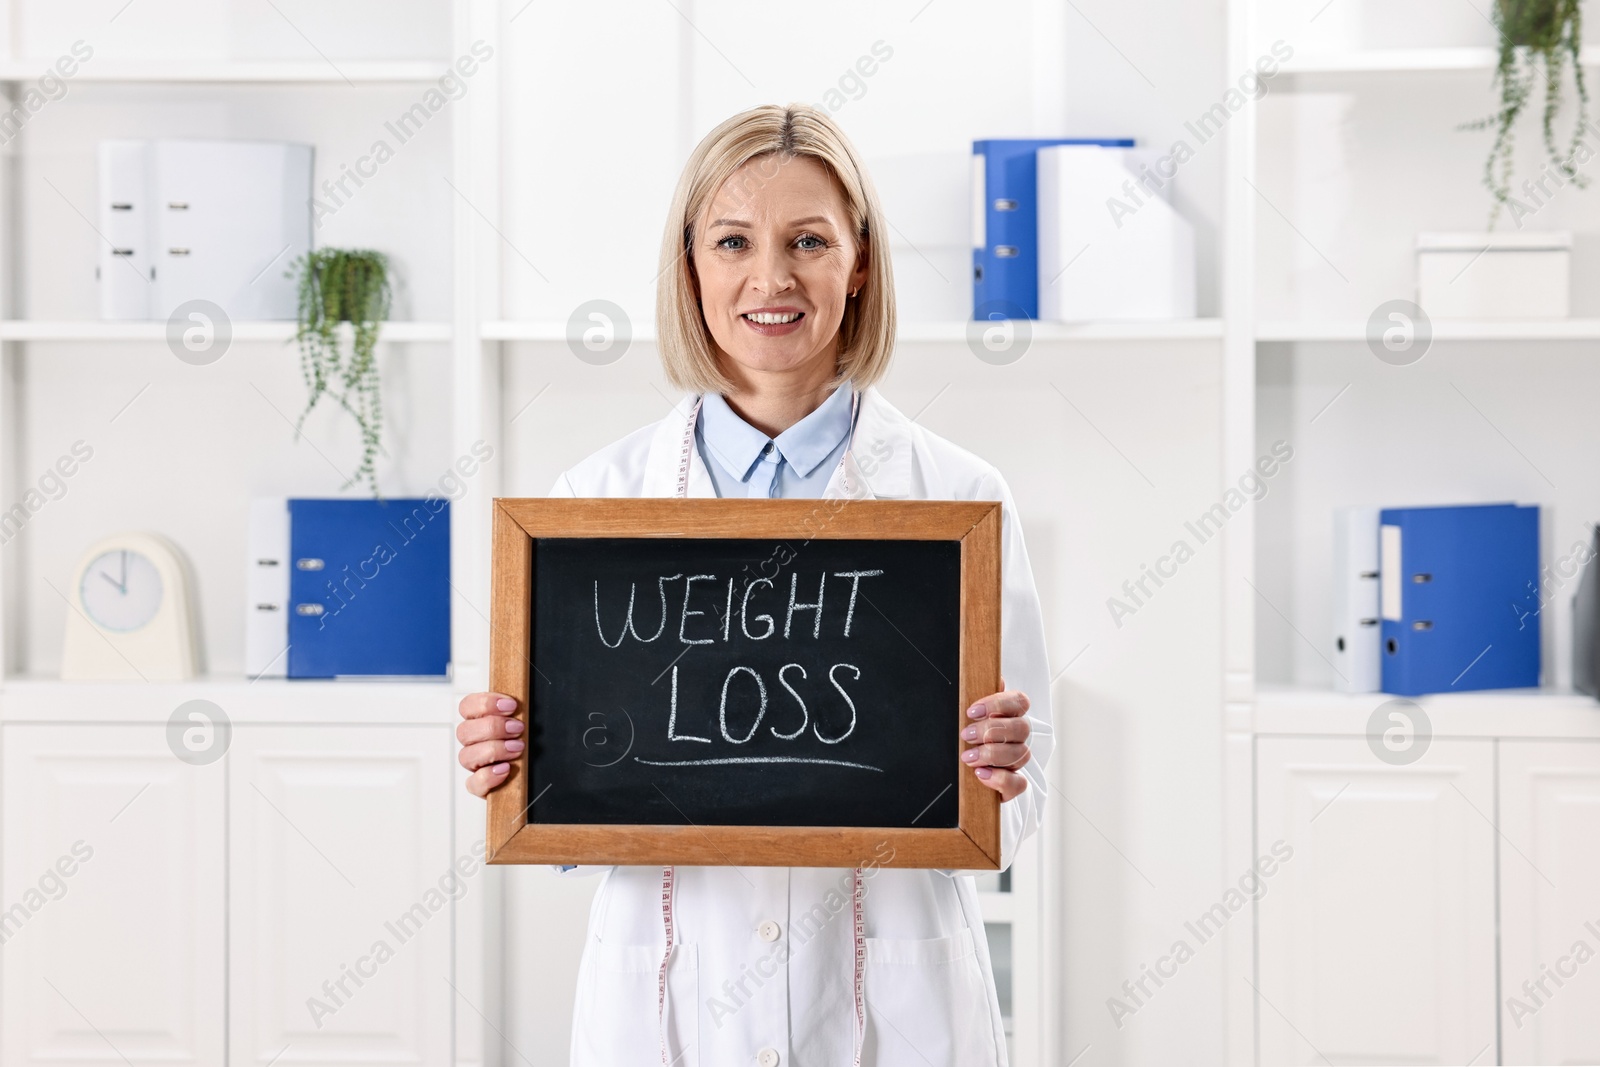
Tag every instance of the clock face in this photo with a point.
(121, 590)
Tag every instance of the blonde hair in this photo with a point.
(867, 330)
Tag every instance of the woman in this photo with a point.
(775, 310)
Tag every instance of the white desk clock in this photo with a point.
(130, 618)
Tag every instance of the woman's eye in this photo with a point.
(816, 242)
(724, 242)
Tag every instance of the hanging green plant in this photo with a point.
(344, 285)
(1537, 40)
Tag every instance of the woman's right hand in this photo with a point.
(489, 738)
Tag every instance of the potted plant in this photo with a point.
(1537, 39)
(336, 286)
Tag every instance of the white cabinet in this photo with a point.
(301, 893)
(1550, 901)
(114, 890)
(343, 886)
(1376, 938)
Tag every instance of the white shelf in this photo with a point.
(89, 330)
(1406, 60)
(921, 332)
(242, 71)
(539, 330)
(1169, 330)
(1545, 713)
(1443, 330)
(267, 700)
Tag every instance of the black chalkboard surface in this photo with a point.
(745, 682)
(698, 681)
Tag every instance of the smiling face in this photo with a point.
(775, 258)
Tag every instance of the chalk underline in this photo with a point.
(755, 759)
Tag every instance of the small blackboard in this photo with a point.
(745, 682)
(701, 682)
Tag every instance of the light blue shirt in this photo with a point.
(744, 462)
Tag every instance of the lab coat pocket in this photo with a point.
(927, 1002)
(618, 1012)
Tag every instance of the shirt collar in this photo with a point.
(737, 445)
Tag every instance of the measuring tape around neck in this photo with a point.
(686, 447)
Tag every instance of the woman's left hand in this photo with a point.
(1001, 735)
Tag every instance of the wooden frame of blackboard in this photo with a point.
(973, 844)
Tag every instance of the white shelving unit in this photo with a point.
(1331, 175)
(183, 453)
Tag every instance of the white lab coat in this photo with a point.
(763, 967)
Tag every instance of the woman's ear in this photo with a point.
(858, 277)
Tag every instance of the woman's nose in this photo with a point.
(772, 274)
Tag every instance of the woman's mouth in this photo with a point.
(774, 322)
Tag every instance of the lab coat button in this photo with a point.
(767, 1057)
(769, 931)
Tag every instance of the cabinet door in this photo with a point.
(114, 893)
(1550, 901)
(1376, 936)
(342, 892)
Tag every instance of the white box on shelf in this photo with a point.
(1106, 252)
(1495, 275)
(202, 220)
